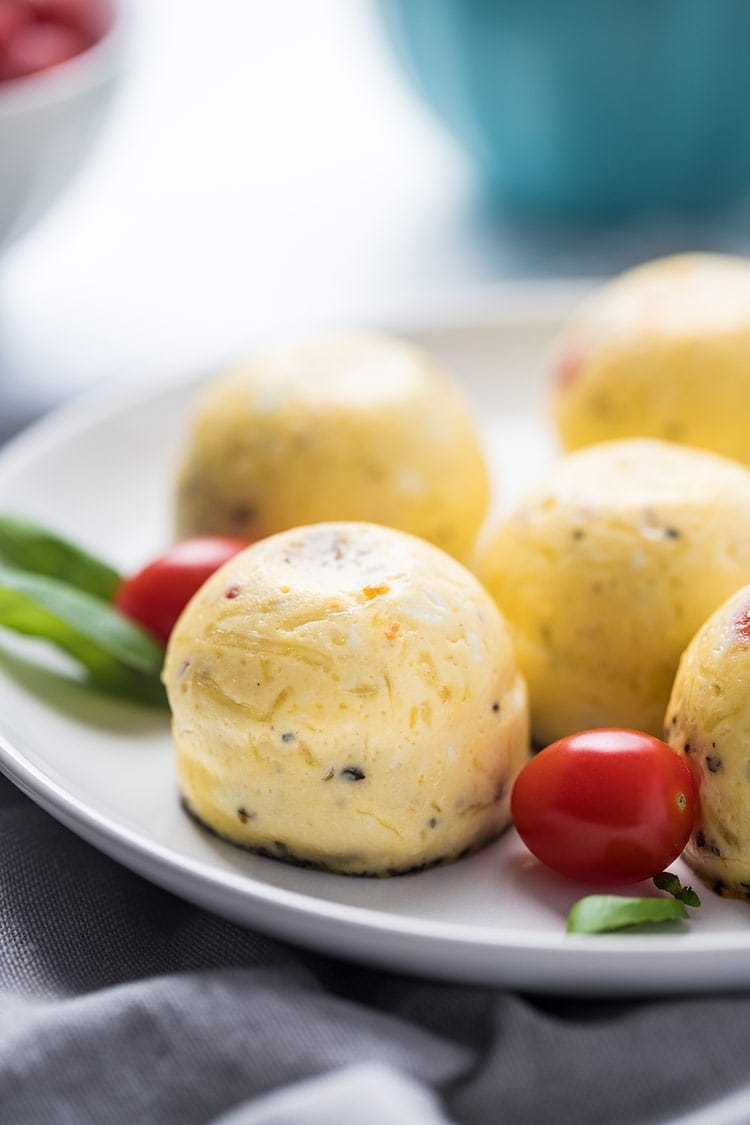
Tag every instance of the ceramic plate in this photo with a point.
(101, 472)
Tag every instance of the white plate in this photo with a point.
(101, 473)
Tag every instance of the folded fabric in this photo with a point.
(120, 1003)
(369, 1094)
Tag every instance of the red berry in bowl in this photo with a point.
(38, 34)
(90, 18)
(14, 15)
(39, 46)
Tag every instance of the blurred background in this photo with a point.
(264, 167)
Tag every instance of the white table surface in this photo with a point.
(265, 169)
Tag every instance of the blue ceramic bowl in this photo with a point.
(588, 105)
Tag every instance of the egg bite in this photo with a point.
(355, 426)
(606, 570)
(708, 724)
(345, 696)
(662, 351)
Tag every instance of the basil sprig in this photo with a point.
(25, 545)
(668, 881)
(119, 656)
(597, 914)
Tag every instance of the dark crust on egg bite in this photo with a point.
(280, 851)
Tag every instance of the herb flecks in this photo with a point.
(353, 773)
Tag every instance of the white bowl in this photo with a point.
(47, 124)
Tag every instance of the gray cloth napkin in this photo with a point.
(120, 1003)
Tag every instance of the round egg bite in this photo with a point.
(607, 569)
(662, 351)
(354, 426)
(708, 724)
(345, 696)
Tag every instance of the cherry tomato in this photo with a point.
(605, 806)
(156, 596)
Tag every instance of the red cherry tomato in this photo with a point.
(605, 806)
(156, 596)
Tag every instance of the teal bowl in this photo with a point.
(588, 106)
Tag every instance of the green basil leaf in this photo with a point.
(668, 881)
(117, 654)
(26, 545)
(598, 914)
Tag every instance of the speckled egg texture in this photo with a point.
(346, 696)
(662, 351)
(605, 571)
(708, 724)
(354, 426)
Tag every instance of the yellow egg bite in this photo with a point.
(346, 696)
(708, 724)
(606, 570)
(355, 426)
(662, 351)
